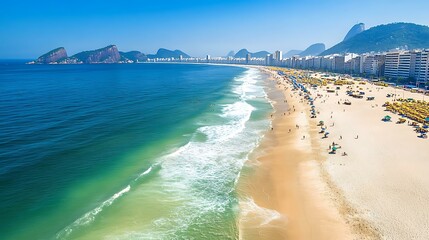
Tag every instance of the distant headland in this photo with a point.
(109, 54)
(358, 40)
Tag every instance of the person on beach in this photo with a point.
(341, 137)
(357, 136)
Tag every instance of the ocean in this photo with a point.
(126, 151)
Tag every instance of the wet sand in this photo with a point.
(291, 197)
(380, 190)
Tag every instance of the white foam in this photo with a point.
(146, 172)
(250, 211)
(237, 113)
(203, 174)
(90, 216)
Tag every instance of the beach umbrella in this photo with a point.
(427, 119)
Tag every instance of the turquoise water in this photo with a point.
(139, 151)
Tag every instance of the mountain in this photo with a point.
(291, 53)
(313, 50)
(243, 53)
(260, 54)
(355, 30)
(107, 54)
(134, 56)
(52, 56)
(384, 38)
(165, 53)
(230, 54)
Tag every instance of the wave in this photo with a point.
(202, 175)
(90, 216)
(260, 216)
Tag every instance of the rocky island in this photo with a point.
(55, 55)
(109, 54)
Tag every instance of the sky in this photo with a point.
(29, 29)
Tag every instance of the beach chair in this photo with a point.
(401, 121)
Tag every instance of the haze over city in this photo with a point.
(196, 27)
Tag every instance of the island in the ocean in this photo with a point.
(109, 54)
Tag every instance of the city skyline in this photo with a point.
(212, 27)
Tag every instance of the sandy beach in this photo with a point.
(297, 190)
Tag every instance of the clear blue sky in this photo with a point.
(198, 27)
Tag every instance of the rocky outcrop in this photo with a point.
(109, 54)
(165, 53)
(52, 56)
(355, 30)
(133, 56)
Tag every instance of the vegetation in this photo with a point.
(384, 38)
(165, 53)
(51, 52)
(243, 52)
(83, 56)
(134, 56)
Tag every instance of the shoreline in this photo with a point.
(378, 190)
(287, 182)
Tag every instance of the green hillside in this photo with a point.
(384, 38)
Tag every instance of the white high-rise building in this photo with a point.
(421, 72)
(370, 65)
(248, 58)
(392, 64)
(405, 64)
(268, 59)
(278, 55)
